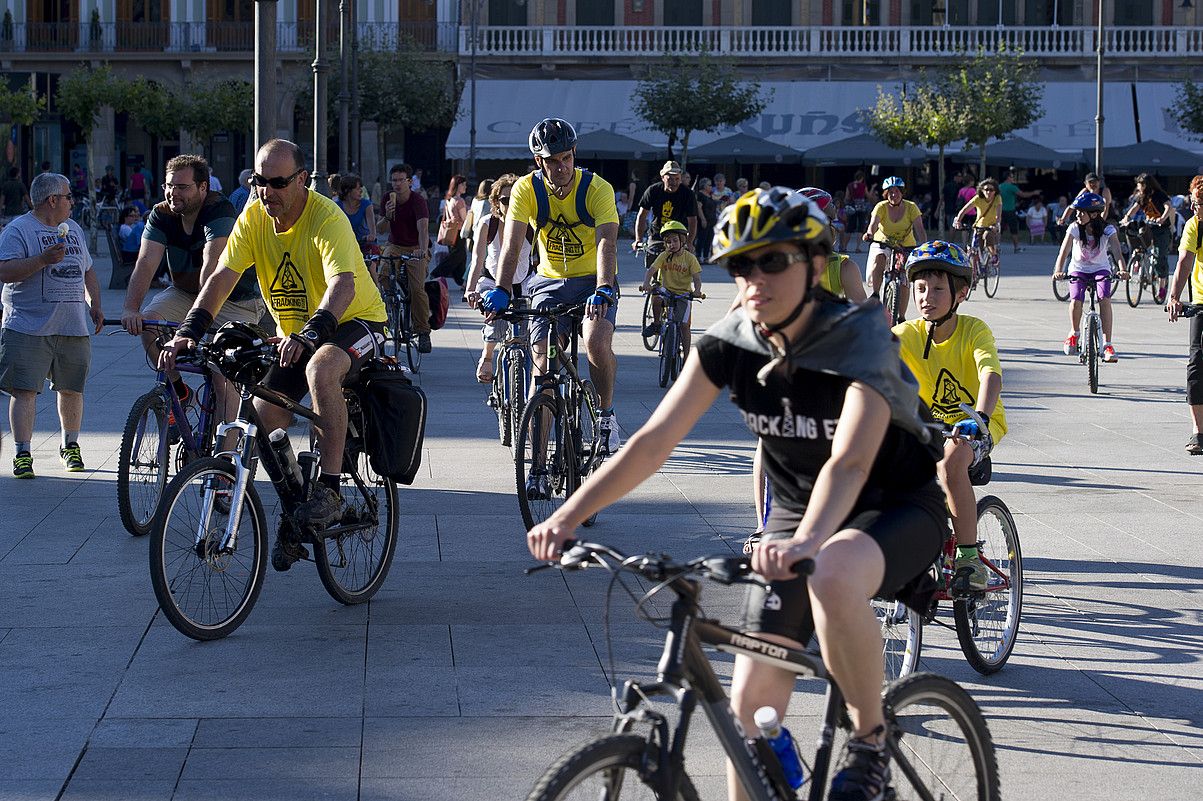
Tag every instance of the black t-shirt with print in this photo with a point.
(796, 420)
(679, 205)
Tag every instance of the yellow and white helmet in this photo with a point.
(766, 216)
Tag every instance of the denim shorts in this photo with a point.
(546, 292)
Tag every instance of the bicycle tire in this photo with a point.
(498, 397)
(992, 277)
(902, 638)
(392, 312)
(987, 623)
(545, 411)
(678, 355)
(175, 524)
(606, 764)
(413, 356)
(1061, 290)
(668, 346)
(939, 740)
(652, 342)
(1091, 351)
(144, 451)
(354, 566)
(1134, 285)
(589, 453)
(973, 270)
(891, 300)
(1158, 289)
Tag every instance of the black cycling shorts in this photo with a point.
(1194, 364)
(909, 530)
(361, 339)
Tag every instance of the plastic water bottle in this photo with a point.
(288, 461)
(782, 743)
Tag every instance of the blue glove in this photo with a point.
(603, 296)
(967, 428)
(495, 300)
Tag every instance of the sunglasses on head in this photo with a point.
(742, 266)
(274, 183)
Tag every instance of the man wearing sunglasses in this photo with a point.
(328, 312)
(1190, 266)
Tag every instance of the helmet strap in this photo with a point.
(768, 332)
(933, 324)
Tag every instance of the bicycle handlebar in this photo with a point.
(1190, 310)
(1086, 279)
(152, 323)
(562, 310)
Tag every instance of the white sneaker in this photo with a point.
(607, 434)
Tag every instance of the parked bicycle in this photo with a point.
(394, 288)
(209, 546)
(511, 377)
(937, 737)
(1090, 349)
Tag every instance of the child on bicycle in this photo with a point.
(987, 205)
(678, 271)
(846, 448)
(1090, 239)
(954, 358)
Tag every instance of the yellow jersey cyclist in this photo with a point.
(327, 310)
(988, 206)
(576, 222)
(955, 360)
(896, 222)
(848, 451)
(678, 271)
(1190, 269)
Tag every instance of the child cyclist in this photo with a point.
(678, 271)
(1090, 239)
(987, 206)
(846, 448)
(954, 358)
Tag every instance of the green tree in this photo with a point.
(695, 93)
(926, 115)
(1187, 110)
(209, 108)
(19, 106)
(154, 107)
(1000, 93)
(82, 93)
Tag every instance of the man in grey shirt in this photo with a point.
(51, 307)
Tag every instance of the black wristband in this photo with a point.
(323, 324)
(196, 323)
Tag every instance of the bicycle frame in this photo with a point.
(948, 556)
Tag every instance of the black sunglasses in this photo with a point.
(274, 183)
(742, 266)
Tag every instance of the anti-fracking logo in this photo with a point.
(289, 299)
(562, 243)
(948, 395)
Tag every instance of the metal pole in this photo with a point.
(1056, 16)
(474, 10)
(344, 89)
(265, 71)
(356, 136)
(1098, 115)
(320, 68)
(1000, 22)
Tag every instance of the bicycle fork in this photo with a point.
(242, 477)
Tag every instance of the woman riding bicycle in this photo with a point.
(987, 206)
(896, 222)
(1090, 239)
(819, 381)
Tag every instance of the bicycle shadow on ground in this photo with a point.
(1000, 477)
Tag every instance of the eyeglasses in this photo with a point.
(742, 266)
(274, 183)
(67, 197)
(177, 187)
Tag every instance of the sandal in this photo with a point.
(484, 370)
(1193, 447)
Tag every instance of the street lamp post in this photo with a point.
(344, 89)
(356, 137)
(1098, 115)
(320, 68)
(474, 10)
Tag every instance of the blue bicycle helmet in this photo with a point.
(1089, 201)
(892, 182)
(938, 255)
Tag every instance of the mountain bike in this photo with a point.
(893, 280)
(558, 443)
(939, 744)
(208, 551)
(158, 423)
(649, 331)
(511, 374)
(1143, 258)
(1090, 348)
(672, 353)
(394, 289)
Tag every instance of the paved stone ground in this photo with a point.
(463, 679)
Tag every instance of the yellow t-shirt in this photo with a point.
(831, 279)
(676, 273)
(901, 232)
(1191, 244)
(951, 373)
(294, 267)
(567, 249)
(987, 210)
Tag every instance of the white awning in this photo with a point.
(800, 114)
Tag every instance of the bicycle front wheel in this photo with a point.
(649, 320)
(516, 402)
(1090, 331)
(412, 355)
(939, 741)
(353, 566)
(499, 396)
(993, 274)
(902, 637)
(144, 463)
(891, 299)
(204, 589)
(1135, 283)
(1061, 290)
(545, 465)
(987, 623)
(668, 354)
(587, 447)
(616, 768)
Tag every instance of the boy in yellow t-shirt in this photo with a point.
(955, 361)
(678, 271)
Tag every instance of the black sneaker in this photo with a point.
(323, 507)
(424, 343)
(865, 775)
(286, 553)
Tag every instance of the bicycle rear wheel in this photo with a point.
(396, 335)
(615, 767)
(144, 463)
(668, 353)
(516, 402)
(544, 464)
(987, 623)
(649, 318)
(587, 448)
(939, 741)
(413, 356)
(890, 298)
(205, 591)
(353, 566)
(1135, 283)
(1091, 351)
(902, 637)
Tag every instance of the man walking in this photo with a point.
(51, 307)
(408, 218)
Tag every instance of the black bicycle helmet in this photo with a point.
(552, 135)
(240, 346)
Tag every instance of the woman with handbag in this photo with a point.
(455, 211)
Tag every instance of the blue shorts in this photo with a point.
(546, 292)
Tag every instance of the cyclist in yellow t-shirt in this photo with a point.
(1190, 267)
(896, 222)
(954, 358)
(988, 206)
(328, 312)
(678, 271)
(577, 240)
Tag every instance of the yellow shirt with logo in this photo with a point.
(1191, 243)
(901, 232)
(987, 210)
(951, 373)
(676, 272)
(567, 249)
(294, 267)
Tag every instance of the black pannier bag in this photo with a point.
(394, 413)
